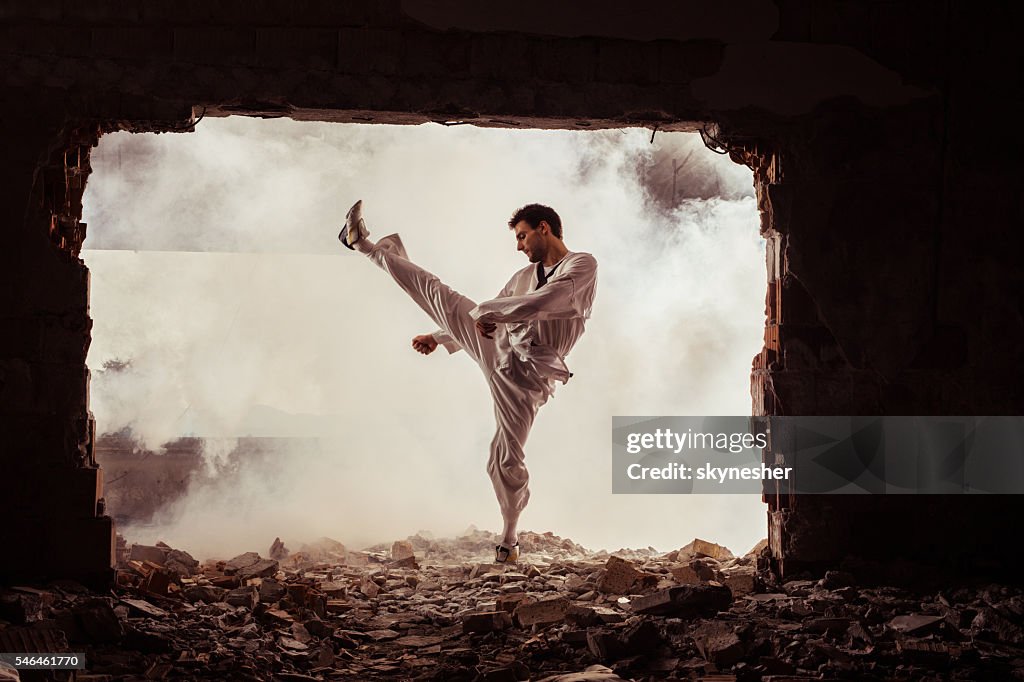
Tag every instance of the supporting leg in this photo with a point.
(517, 394)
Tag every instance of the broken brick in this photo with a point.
(542, 612)
(685, 599)
(489, 621)
(619, 576)
(243, 596)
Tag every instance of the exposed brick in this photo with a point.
(243, 596)
(80, 546)
(566, 60)
(401, 549)
(810, 347)
(62, 388)
(132, 42)
(37, 10)
(509, 602)
(369, 50)
(619, 576)
(46, 40)
(432, 53)
(239, 13)
(740, 582)
(65, 388)
(261, 569)
(22, 338)
(175, 12)
(605, 646)
(250, 12)
(621, 61)
(60, 490)
(291, 47)
(501, 56)
(106, 12)
(379, 13)
(683, 62)
(880, 199)
(490, 621)
(18, 390)
(694, 571)
(140, 552)
(686, 599)
(604, 100)
(542, 612)
(718, 643)
(40, 438)
(214, 45)
(79, 489)
(65, 339)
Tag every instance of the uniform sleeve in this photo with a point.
(445, 339)
(569, 294)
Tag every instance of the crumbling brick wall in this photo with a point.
(885, 165)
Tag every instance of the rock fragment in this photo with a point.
(544, 611)
(619, 576)
(489, 621)
(685, 600)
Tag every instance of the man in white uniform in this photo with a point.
(519, 339)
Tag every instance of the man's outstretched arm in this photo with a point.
(434, 339)
(566, 295)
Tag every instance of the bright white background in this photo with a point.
(216, 272)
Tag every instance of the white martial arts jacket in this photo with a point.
(539, 325)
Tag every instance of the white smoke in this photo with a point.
(290, 334)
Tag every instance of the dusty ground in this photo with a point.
(427, 609)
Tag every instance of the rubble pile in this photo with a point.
(429, 609)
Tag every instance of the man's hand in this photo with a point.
(424, 343)
(486, 329)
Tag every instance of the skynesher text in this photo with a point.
(681, 472)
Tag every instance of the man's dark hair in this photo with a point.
(533, 214)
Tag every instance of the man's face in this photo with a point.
(531, 240)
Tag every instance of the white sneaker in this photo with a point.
(355, 228)
(506, 555)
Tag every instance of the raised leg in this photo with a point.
(446, 307)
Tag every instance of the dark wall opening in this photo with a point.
(894, 274)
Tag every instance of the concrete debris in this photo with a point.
(702, 599)
(594, 673)
(147, 553)
(619, 576)
(401, 549)
(264, 568)
(323, 550)
(246, 597)
(542, 612)
(232, 566)
(489, 621)
(563, 615)
(703, 548)
(718, 643)
(277, 550)
(740, 581)
(915, 624)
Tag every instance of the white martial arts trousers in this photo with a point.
(517, 390)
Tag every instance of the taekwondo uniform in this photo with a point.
(540, 316)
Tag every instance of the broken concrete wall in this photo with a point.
(892, 291)
(885, 160)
